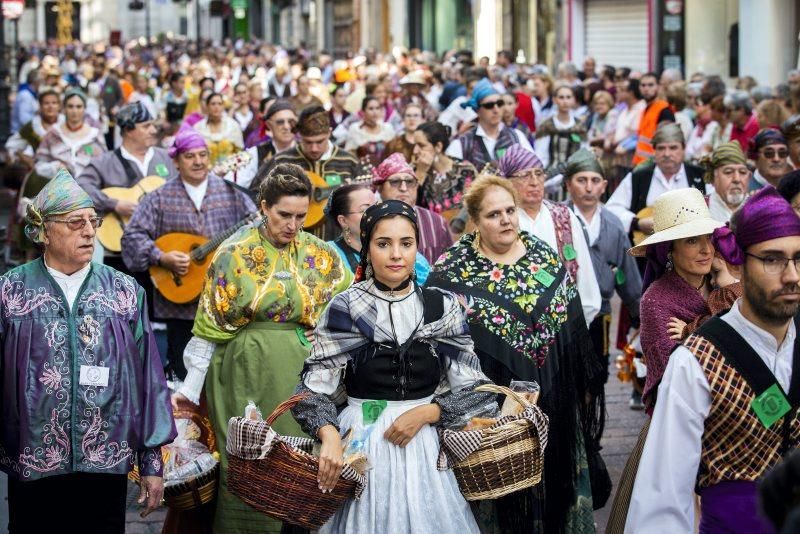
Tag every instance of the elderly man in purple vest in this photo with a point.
(727, 404)
(490, 138)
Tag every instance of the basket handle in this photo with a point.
(502, 390)
(286, 405)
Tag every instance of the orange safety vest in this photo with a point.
(647, 128)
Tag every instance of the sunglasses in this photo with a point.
(770, 153)
(491, 105)
(78, 224)
(281, 122)
(397, 183)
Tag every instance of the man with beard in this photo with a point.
(727, 404)
(730, 175)
(656, 112)
(772, 158)
(642, 186)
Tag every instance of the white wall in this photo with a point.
(767, 39)
(708, 23)
(486, 17)
(398, 22)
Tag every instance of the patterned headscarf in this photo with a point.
(764, 138)
(187, 139)
(131, 115)
(394, 164)
(583, 160)
(516, 159)
(481, 90)
(729, 153)
(61, 195)
(765, 215)
(370, 220)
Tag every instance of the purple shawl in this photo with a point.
(669, 296)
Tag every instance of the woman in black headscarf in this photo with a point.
(381, 349)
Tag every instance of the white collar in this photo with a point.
(80, 274)
(480, 132)
(328, 153)
(677, 176)
(760, 179)
(73, 142)
(561, 125)
(127, 155)
(750, 331)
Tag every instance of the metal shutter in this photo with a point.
(616, 32)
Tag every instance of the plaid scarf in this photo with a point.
(350, 322)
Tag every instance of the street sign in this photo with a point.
(13, 9)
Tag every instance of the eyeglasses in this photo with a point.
(495, 103)
(78, 224)
(770, 153)
(281, 122)
(525, 177)
(776, 264)
(398, 183)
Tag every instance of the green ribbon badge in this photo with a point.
(770, 405)
(543, 277)
(575, 138)
(371, 410)
(333, 179)
(88, 149)
(619, 276)
(301, 336)
(161, 170)
(569, 252)
(500, 152)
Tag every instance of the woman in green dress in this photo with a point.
(265, 289)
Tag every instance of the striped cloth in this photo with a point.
(622, 499)
(458, 444)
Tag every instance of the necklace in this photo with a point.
(391, 290)
(71, 129)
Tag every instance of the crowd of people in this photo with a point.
(393, 231)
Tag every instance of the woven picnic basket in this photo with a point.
(283, 484)
(199, 490)
(510, 456)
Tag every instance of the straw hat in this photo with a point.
(413, 78)
(677, 215)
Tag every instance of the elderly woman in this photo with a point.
(394, 179)
(222, 133)
(265, 289)
(70, 144)
(345, 208)
(526, 321)
(373, 348)
(553, 223)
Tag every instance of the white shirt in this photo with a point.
(663, 495)
(196, 192)
(543, 228)
(456, 150)
(141, 165)
(592, 228)
(718, 208)
(243, 119)
(542, 146)
(70, 284)
(620, 201)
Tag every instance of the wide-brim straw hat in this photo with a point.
(677, 215)
(413, 78)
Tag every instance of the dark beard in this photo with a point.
(768, 310)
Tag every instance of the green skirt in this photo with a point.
(263, 364)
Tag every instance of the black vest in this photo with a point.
(641, 179)
(388, 371)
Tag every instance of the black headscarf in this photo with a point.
(376, 212)
(131, 115)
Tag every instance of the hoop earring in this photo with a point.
(669, 265)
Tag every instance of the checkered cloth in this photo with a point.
(458, 444)
(252, 440)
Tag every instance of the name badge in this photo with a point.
(770, 405)
(94, 375)
(333, 180)
(569, 252)
(161, 170)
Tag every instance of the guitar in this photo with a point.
(319, 198)
(639, 236)
(186, 288)
(110, 232)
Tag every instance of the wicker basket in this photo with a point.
(284, 484)
(510, 456)
(201, 489)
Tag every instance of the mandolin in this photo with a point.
(183, 289)
(110, 232)
(639, 236)
(319, 198)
